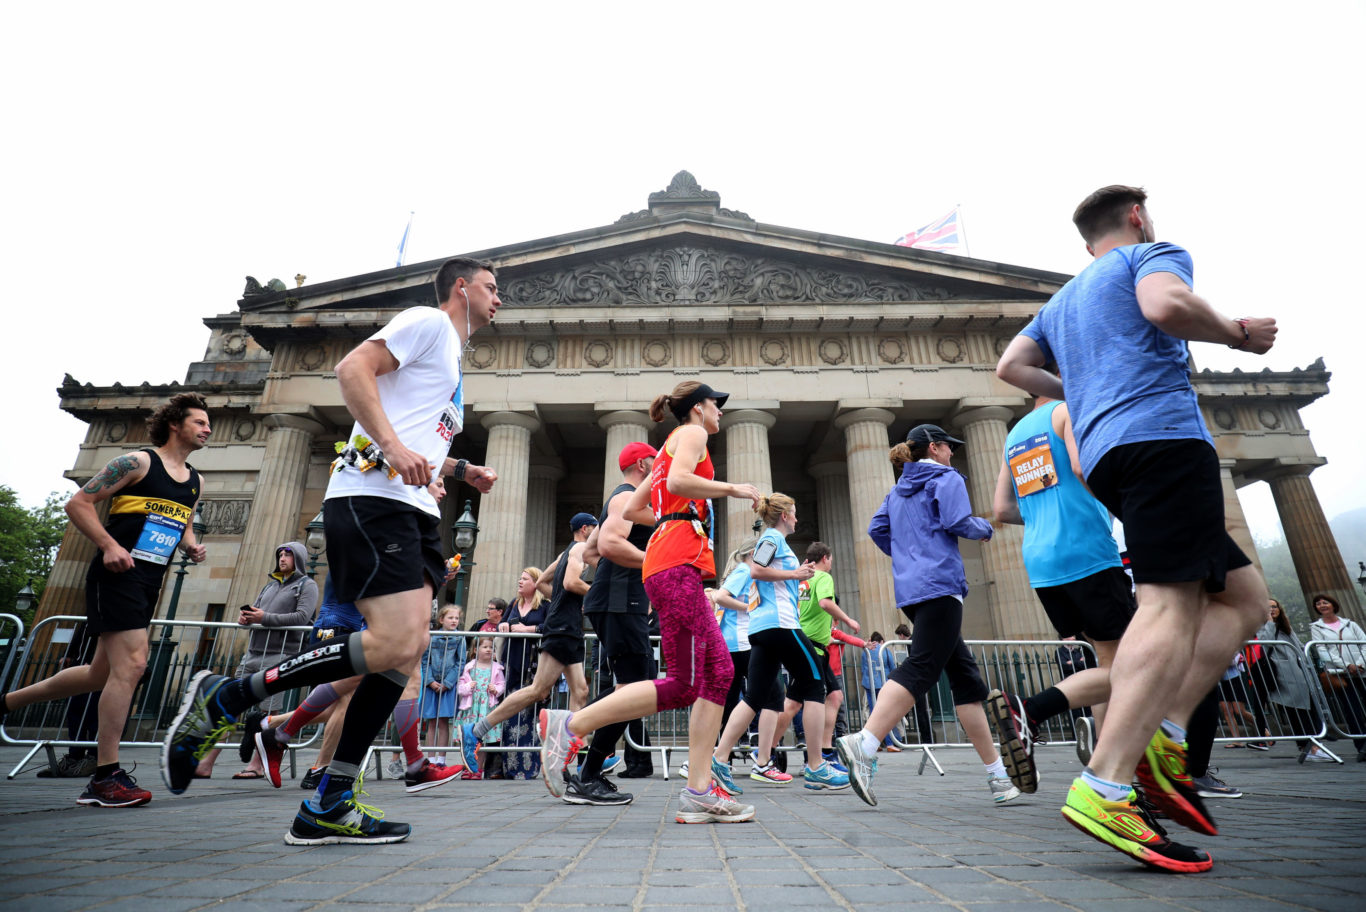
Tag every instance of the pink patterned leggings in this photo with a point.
(695, 654)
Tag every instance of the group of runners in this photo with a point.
(1116, 430)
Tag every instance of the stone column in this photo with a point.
(747, 460)
(543, 477)
(274, 517)
(837, 531)
(502, 512)
(1318, 562)
(870, 478)
(1015, 613)
(622, 427)
(1234, 520)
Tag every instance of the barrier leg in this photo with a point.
(1320, 745)
(51, 758)
(927, 756)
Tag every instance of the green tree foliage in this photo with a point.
(29, 538)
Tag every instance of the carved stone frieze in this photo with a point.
(891, 351)
(598, 353)
(774, 352)
(234, 345)
(483, 355)
(1269, 419)
(225, 517)
(709, 275)
(244, 429)
(950, 350)
(656, 353)
(540, 353)
(311, 357)
(116, 431)
(715, 352)
(1224, 418)
(833, 351)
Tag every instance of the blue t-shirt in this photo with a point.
(779, 604)
(1126, 381)
(735, 624)
(1067, 531)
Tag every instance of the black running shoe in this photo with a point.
(597, 790)
(312, 779)
(251, 724)
(347, 821)
(200, 724)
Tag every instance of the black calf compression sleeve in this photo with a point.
(322, 665)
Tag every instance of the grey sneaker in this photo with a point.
(396, 769)
(1211, 786)
(1002, 789)
(558, 746)
(861, 765)
(1086, 739)
(713, 807)
(69, 767)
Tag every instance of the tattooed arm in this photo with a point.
(121, 472)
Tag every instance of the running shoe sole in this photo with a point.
(100, 802)
(186, 703)
(272, 764)
(1019, 763)
(699, 817)
(338, 839)
(454, 773)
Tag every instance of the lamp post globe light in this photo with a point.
(316, 542)
(466, 536)
(23, 600)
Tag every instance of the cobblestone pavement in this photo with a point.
(1296, 841)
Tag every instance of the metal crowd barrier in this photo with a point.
(177, 651)
(1275, 696)
(1343, 693)
(11, 643)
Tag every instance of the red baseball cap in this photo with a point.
(633, 451)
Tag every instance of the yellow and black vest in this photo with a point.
(149, 517)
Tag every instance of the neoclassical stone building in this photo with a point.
(830, 347)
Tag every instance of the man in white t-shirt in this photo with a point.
(404, 388)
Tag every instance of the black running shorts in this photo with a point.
(1099, 605)
(1169, 496)
(118, 601)
(377, 546)
(567, 650)
(828, 677)
(621, 634)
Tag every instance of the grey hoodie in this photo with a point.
(288, 602)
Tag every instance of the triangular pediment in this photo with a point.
(685, 249)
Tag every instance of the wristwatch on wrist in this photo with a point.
(458, 473)
(1242, 324)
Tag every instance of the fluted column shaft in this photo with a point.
(503, 511)
(65, 590)
(1318, 562)
(870, 478)
(837, 531)
(622, 427)
(1015, 612)
(1234, 520)
(543, 480)
(274, 517)
(747, 460)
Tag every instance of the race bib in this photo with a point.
(158, 539)
(1031, 465)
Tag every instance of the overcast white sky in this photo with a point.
(159, 153)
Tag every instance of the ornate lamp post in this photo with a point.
(183, 568)
(466, 531)
(315, 541)
(23, 601)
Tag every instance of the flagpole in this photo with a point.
(403, 243)
(962, 229)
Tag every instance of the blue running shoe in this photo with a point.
(200, 724)
(824, 776)
(610, 764)
(721, 773)
(469, 746)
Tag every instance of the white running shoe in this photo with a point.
(862, 766)
(713, 807)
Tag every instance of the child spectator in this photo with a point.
(481, 686)
(441, 666)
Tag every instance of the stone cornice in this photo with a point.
(1299, 386)
(87, 401)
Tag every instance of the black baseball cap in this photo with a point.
(701, 394)
(580, 520)
(925, 434)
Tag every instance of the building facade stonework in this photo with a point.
(831, 349)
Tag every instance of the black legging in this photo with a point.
(937, 647)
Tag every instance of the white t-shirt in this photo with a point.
(424, 401)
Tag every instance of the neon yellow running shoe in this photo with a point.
(1120, 825)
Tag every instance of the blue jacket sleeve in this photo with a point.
(880, 528)
(955, 512)
(427, 663)
(865, 670)
(455, 656)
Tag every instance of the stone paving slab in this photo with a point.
(1296, 841)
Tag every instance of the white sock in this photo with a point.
(870, 741)
(1110, 791)
(997, 769)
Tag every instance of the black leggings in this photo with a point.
(937, 646)
(790, 648)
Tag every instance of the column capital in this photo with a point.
(747, 416)
(625, 416)
(308, 425)
(551, 471)
(1286, 467)
(513, 419)
(861, 415)
(999, 408)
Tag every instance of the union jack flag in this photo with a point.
(942, 234)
